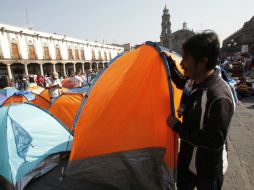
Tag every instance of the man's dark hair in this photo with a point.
(202, 45)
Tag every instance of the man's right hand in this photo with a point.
(170, 60)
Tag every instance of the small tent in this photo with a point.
(66, 106)
(81, 90)
(121, 136)
(67, 83)
(6, 93)
(26, 96)
(36, 89)
(30, 142)
(18, 97)
(40, 101)
(45, 93)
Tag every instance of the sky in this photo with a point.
(125, 21)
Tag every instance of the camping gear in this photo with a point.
(6, 93)
(67, 83)
(31, 143)
(66, 106)
(121, 136)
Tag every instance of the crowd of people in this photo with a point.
(23, 82)
(240, 66)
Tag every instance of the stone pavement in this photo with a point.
(240, 174)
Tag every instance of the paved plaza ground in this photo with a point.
(240, 174)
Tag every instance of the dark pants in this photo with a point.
(188, 181)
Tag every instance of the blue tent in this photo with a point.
(31, 141)
(81, 90)
(6, 93)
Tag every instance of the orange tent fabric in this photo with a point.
(14, 99)
(127, 109)
(36, 89)
(128, 100)
(45, 93)
(40, 101)
(67, 83)
(65, 107)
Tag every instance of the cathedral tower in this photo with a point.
(165, 28)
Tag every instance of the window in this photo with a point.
(76, 54)
(32, 54)
(58, 54)
(82, 54)
(105, 56)
(70, 55)
(46, 53)
(100, 58)
(93, 55)
(15, 51)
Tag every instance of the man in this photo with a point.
(77, 79)
(207, 107)
(22, 83)
(244, 88)
(53, 84)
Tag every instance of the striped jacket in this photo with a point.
(207, 113)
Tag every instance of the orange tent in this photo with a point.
(41, 102)
(121, 135)
(65, 107)
(15, 99)
(45, 93)
(67, 83)
(36, 89)
(37, 100)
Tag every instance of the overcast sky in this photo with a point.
(123, 21)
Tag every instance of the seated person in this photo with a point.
(244, 88)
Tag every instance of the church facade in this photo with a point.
(174, 40)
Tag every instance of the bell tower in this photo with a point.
(165, 28)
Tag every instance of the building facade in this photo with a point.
(242, 40)
(25, 51)
(174, 40)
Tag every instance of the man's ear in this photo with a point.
(204, 61)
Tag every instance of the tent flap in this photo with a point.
(138, 169)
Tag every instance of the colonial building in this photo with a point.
(174, 40)
(25, 51)
(242, 40)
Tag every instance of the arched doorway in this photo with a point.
(78, 66)
(94, 66)
(33, 68)
(3, 70)
(87, 67)
(17, 69)
(3, 76)
(47, 68)
(100, 66)
(69, 69)
(60, 69)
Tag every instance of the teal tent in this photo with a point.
(31, 143)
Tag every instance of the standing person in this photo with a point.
(40, 80)
(53, 84)
(207, 107)
(22, 83)
(77, 79)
